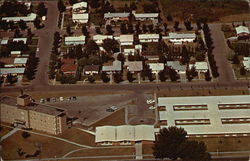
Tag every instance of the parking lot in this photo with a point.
(89, 109)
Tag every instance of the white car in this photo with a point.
(113, 108)
(61, 98)
(151, 108)
(150, 101)
(42, 100)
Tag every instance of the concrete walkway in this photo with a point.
(138, 151)
(87, 131)
(13, 131)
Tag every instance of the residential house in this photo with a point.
(200, 67)
(69, 66)
(99, 38)
(4, 41)
(126, 39)
(24, 40)
(176, 66)
(115, 67)
(246, 63)
(147, 16)
(116, 16)
(14, 71)
(242, 32)
(129, 51)
(80, 17)
(91, 69)
(149, 37)
(15, 53)
(179, 38)
(134, 66)
(156, 67)
(29, 18)
(80, 7)
(22, 112)
(75, 40)
(20, 62)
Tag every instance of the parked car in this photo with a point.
(110, 110)
(151, 108)
(150, 101)
(42, 100)
(113, 108)
(61, 98)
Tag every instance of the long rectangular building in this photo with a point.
(207, 115)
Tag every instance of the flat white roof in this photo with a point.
(102, 37)
(176, 65)
(246, 62)
(129, 50)
(213, 114)
(15, 52)
(80, 5)
(75, 39)
(30, 17)
(4, 41)
(125, 133)
(5, 71)
(126, 38)
(146, 15)
(114, 15)
(199, 66)
(174, 35)
(149, 36)
(20, 60)
(242, 29)
(116, 66)
(156, 66)
(20, 39)
(80, 16)
(105, 133)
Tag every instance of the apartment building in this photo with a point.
(22, 112)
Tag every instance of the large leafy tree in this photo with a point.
(111, 45)
(60, 5)
(172, 143)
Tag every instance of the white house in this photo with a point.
(115, 67)
(134, 66)
(20, 39)
(91, 69)
(199, 66)
(126, 39)
(14, 71)
(99, 38)
(156, 67)
(146, 16)
(246, 63)
(29, 18)
(19, 62)
(4, 41)
(149, 37)
(176, 66)
(80, 17)
(179, 38)
(15, 53)
(80, 7)
(116, 16)
(75, 40)
(242, 31)
(129, 51)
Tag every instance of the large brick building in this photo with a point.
(23, 112)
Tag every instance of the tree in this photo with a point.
(176, 25)
(198, 23)
(11, 79)
(130, 77)
(165, 26)
(138, 28)
(173, 75)
(117, 77)
(91, 79)
(22, 25)
(98, 30)
(188, 25)
(144, 28)
(61, 7)
(104, 77)
(235, 59)
(162, 76)
(17, 33)
(4, 25)
(41, 10)
(94, 4)
(68, 30)
(207, 76)
(169, 17)
(168, 142)
(37, 23)
(121, 57)
(71, 2)
(92, 47)
(133, 6)
(85, 31)
(111, 45)
(25, 134)
(242, 71)
(184, 55)
(123, 28)
(109, 30)
(130, 28)
(192, 150)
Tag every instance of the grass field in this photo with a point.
(213, 10)
(49, 147)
